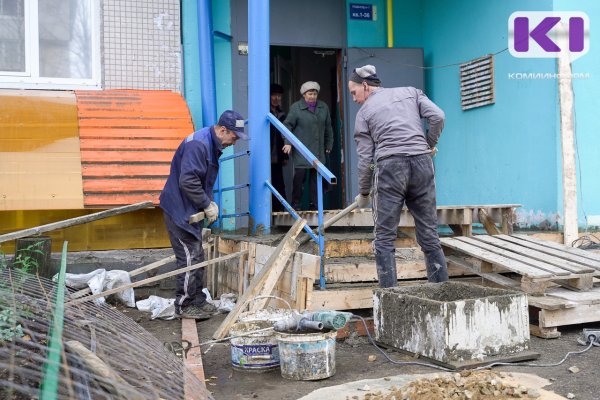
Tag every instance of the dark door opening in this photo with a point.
(290, 68)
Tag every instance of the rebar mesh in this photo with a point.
(132, 363)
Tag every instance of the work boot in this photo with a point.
(208, 308)
(437, 270)
(386, 269)
(192, 312)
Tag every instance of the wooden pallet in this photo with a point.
(540, 264)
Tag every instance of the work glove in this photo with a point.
(211, 212)
(363, 200)
(434, 151)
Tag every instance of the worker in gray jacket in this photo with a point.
(395, 167)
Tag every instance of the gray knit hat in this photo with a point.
(310, 85)
(366, 73)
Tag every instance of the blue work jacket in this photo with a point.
(194, 169)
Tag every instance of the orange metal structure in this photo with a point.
(127, 141)
(63, 153)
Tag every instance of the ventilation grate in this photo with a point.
(477, 83)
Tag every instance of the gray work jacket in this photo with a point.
(312, 129)
(389, 123)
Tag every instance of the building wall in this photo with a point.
(501, 153)
(141, 44)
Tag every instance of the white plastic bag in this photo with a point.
(116, 278)
(158, 306)
(101, 280)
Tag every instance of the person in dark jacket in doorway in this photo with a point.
(188, 190)
(395, 167)
(310, 121)
(278, 157)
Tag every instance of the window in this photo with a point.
(49, 44)
(477, 83)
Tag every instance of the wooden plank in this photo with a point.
(193, 361)
(477, 241)
(536, 255)
(513, 265)
(581, 314)
(260, 278)
(589, 297)
(589, 265)
(567, 139)
(341, 299)
(493, 277)
(581, 283)
(366, 271)
(550, 302)
(573, 250)
(73, 221)
(275, 273)
(241, 266)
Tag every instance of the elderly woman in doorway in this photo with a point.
(310, 121)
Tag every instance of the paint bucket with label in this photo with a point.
(307, 356)
(258, 352)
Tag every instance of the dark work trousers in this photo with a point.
(299, 176)
(411, 180)
(188, 251)
(278, 183)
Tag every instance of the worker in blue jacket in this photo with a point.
(188, 190)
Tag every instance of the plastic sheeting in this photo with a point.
(101, 280)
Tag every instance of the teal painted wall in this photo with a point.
(192, 85)
(587, 104)
(408, 23)
(367, 33)
(502, 153)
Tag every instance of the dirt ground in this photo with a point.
(352, 364)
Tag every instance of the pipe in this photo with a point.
(207, 63)
(258, 108)
(390, 23)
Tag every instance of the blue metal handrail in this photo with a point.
(322, 172)
(218, 191)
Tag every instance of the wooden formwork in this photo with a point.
(294, 286)
(349, 280)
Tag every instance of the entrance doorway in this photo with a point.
(291, 66)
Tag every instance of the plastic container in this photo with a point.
(258, 352)
(307, 356)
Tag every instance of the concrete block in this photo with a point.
(452, 322)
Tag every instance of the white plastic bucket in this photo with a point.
(258, 352)
(307, 356)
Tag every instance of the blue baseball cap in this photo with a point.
(234, 122)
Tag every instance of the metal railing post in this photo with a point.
(321, 238)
